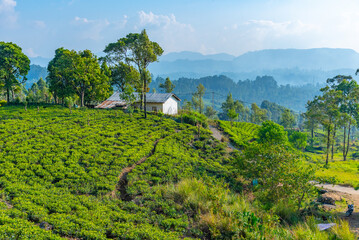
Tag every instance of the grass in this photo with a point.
(344, 172)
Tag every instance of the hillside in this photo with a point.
(94, 174)
(64, 175)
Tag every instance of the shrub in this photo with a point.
(194, 118)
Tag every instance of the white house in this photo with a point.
(164, 102)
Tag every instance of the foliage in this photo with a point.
(14, 66)
(272, 133)
(240, 133)
(257, 89)
(72, 72)
(168, 86)
(258, 115)
(237, 105)
(138, 50)
(123, 74)
(287, 119)
(232, 115)
(194, 118)
(197, 98)
(297, 139)
(279, 171)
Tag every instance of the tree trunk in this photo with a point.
(8, 95)
(82, 98)
(144, 96)
(348, 141)
(333, 140)
(344, 143)
(328, 146)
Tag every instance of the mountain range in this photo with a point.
(287, 66)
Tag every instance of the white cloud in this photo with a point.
(163, 21)
(31, 53)
(81, 20)
(278, 28)
(90, 29)
(7, 5)
(171, 34)
(8, 15)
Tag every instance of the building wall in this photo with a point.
(170, 106)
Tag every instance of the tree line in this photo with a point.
(80, 76)
(336, 109)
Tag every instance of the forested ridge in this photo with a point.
(249, 91)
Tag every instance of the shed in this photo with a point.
(164, 102)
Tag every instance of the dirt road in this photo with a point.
(352, 196)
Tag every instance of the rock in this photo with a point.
(322, 191)
(46, 226)
(328, 207)
(326, 200)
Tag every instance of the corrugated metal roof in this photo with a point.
(151, 97)
(116, 100)
(110, 104)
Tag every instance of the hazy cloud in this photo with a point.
(90, 29)
(39, 24)
(167, 30)
(8, 15)
(31, 53)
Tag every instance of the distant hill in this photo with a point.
(35, 73)
(255, 91)
(41, 61)
(317, 58)
(194, 56)
(287, 66)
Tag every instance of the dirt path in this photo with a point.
(122, 178)
(352, 196)
(219, 136)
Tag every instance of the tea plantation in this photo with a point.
(106, 174)
(58, 170)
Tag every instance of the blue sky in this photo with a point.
(211, 26)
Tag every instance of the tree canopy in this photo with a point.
(14, 66)
(137, 50)
(79, 73)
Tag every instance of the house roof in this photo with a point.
(150, 97)
(115, 100)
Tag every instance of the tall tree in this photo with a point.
(287, 119)
(311, 120)
(123, 74)
(227, 105)
(348, 105)
(135, 49)
(258, 115)
(197, 98)
(168, 86)
(59, 74)
(79, 73)
(232, 115)
(327, 107)
(14, 66)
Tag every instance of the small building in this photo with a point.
(164, 102)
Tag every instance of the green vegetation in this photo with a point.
(14, 66)
(240, 133)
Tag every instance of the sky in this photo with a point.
(39, 27)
